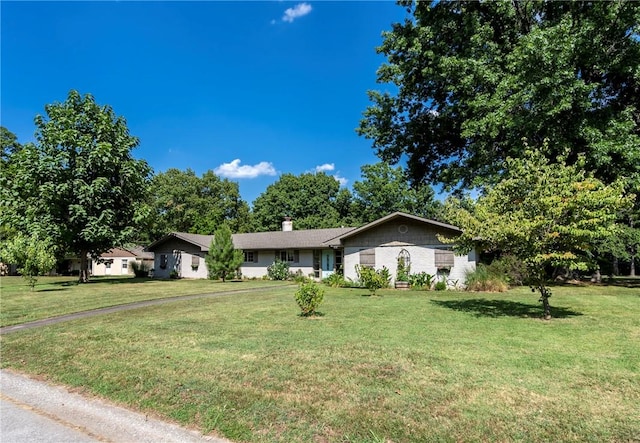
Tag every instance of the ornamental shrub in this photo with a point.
(372, 279)
(440, 286)
(278, 270)
(421, 280)
(309, 296)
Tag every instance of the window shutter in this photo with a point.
(368, 257)
(296, 256)
(255, 256)
(444, 259)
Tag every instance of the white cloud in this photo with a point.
(326, 167)
(234, 170)
(297, 11)
(343, 181)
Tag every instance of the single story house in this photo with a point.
(116, 261)
(321, 252)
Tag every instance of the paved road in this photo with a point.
(36, 412)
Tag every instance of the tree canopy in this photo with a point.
(472, 79)
(543, 214)
(182, 201)
(385, 189)
(79, 184)
(311, 200)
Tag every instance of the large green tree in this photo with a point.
(312, 200)
(470, 79)
(182, 201)
(545, 214)
(385, 189)
(222, 259)
(79, 184)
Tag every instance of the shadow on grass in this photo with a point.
(481, 307)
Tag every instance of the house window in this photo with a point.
(444, 259)
(251, 256)
(338, 255)
(289, 255)
(107, 264)
(368, 257)
(163, 261)
(125, 264)
(195, 261)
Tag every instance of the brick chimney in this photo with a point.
(287, 225)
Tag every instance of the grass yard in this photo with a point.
(403, 367)
(55, 296)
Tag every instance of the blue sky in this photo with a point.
(249, 90)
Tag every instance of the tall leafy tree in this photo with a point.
(79, 184)
(544, 214)
(182, 201)
(385, 189)
(471, 79)
(8, 144)
(222, 259)
(311, 200)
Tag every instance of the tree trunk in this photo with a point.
(545, 293)
(84, 268)
(616, 267)
(632, 269)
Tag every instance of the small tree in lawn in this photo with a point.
(32, 255)
(223, 260)
(544, 214)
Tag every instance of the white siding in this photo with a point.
(422, 260)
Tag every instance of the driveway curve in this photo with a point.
(123, 307)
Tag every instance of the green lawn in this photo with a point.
(55, 296)
(403, 367)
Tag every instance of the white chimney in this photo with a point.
(287, 225)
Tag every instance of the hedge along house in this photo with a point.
(321, 252)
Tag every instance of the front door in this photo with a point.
(328, 262)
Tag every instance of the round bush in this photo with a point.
(309, 296)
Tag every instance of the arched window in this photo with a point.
(404, 265)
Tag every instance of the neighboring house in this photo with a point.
(118, 261)
(321, 252)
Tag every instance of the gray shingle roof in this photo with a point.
(301, 239)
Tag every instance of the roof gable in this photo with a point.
(395, 216)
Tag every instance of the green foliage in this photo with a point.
(440, 286)
(336, 280)
(222, 259)
(421, 280)
(485, 279)
(373, 279)
(79, 184)
(140, 269)
(384, 190)
(278, 270)
(309, 296)
(474, 78)
(183, 202)
(402, 270)
(543, 214)
(311, 200)
(510, 269)
(32, 255)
